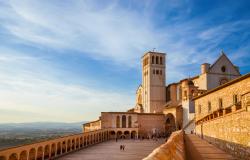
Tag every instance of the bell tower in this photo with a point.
(153, 82)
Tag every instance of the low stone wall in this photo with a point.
(51, 149)
(172, 149)
(230, 132)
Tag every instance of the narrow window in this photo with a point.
(209, 106)
(157, 60)
(118, 122)
(129, 122)
(220, 103)
(235, 99)
(153, 59)
(161, 60)
(157, 71)
(160, 72)
(124, 121)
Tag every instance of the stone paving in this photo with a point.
(110, 150)
(202, 150)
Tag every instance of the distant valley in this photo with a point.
(13, 134)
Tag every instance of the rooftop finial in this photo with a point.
(154, 49)
(222, 52)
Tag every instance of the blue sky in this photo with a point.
(69, 60)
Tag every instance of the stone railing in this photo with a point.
(172, 149)
(51, 149)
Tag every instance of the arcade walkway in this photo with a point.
(110, 150)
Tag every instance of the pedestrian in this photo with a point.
(121, 147)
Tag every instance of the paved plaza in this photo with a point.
(110, 150)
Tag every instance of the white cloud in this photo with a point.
(25, 89)
(109, 32)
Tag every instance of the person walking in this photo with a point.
(121, 147)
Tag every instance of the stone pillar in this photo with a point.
(28, 154)
(224, 112)
(233, 108)
(55, 149)
(43, 155)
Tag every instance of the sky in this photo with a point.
(67, 61)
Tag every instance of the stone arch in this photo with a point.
(129, 122)
(88, 139)
(91, 139)
(112, 134)
(170, 125)
(73, 144)
(95, 137)
(2, 158)
(124, 121)
(23, 155)
(68, 145)
(133, 134)
(47, 152)
(81, 142)
(100, 137)
(64, 147)
(39, 154)
(85, 140)
(32, 154)
(118, 122)
(59, 148)
(127, 134)
(13, 156)
(119, 134)
(53, 150)
(77, 143)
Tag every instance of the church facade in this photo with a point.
(161, 109)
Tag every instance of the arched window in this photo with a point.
(153, 59)
(129, 122)
(118, 122)
(223, 69)
(124, 121)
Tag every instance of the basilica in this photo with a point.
(161, 109)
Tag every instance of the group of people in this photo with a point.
(122, 147)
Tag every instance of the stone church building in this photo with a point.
(161, 109)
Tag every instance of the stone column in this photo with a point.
(55, 149)
(28, 154)
(43, 155)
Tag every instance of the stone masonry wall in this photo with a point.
(227, 126)
(230, 133)
(173, 149)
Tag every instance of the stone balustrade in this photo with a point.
(51, 149)
(172, 149)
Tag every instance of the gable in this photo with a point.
(223, 66)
